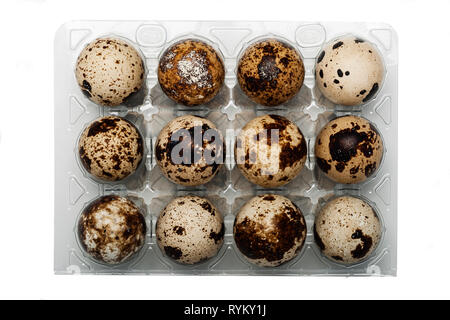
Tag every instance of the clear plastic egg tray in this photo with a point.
(230, 110)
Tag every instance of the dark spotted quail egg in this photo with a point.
(270, 151)
(111, 148)
(109, 70)
(190, 230)
(190, 150)
(270, 72)
(111, 229)
(349, 71)
(269, 230)
(347, 230)
(349, 149)
(191, 72)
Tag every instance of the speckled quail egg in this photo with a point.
(111, 148)
(347, 230)
(190, 150)
(191, 72)
(109, 70)
(270, 72)
(190, 230)
(349, 71)
(111, 229)
(270, 151)
(349, 149)
(269, 230)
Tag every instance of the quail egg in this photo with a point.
(270, 151)
(111, 229)
(109, 70)
(270, 72)
(269, 230)
(349, 71)
(347, 230)
(191, 72)
(190, 150)
(190, 230)
(111, 148)
(349, 149)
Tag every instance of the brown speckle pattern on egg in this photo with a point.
(204, 154)
(191, 72)
(269, 230)
(348, 149)
(111, 229)
(347, 230)
(270, 151)
(109, 70)
(270, 72)
(349, 71)
(111, 148)
(190, 230)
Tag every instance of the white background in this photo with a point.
(27, 29)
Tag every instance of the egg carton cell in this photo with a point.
(214, 49)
